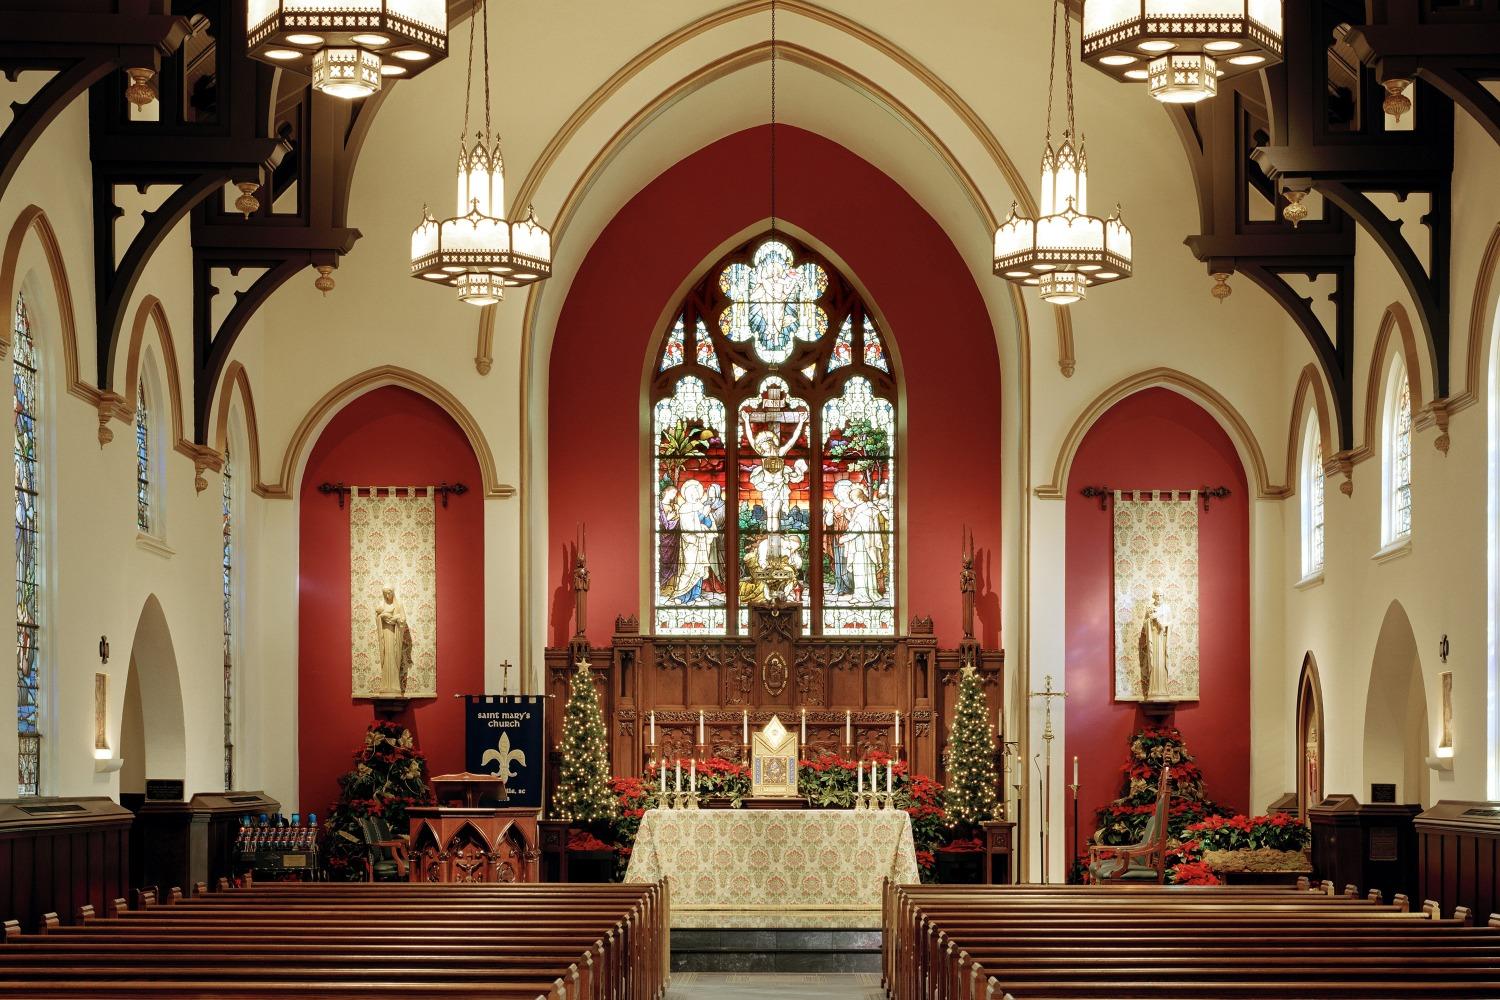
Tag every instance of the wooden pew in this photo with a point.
(1024, 942)
(607, 942)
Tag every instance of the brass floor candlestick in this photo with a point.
(1074, 859)
(1047, 694)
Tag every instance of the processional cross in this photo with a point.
(1047, 694)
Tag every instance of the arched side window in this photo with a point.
(1396, 507)
(25, 374)
(142, 459)
(226, 509)
(1312, 499)
(773, 424)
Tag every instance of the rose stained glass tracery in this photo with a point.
(774, 438)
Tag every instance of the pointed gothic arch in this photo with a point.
(1311, 737)
(1310, 395)
(32, 223)
(302, 439)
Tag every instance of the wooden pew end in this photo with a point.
(200, 888)
(223, 885)
(174, 895)
(13, 928)
(117, 906)
(1403, 905)
(1431, 909)
(85, 913)
(50, 922)
(1464, 915)
(1351, 890)
(1375, 897)
(1326, 887)
(1303, 885)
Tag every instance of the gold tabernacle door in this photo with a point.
(773, 755)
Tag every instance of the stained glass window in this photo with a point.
(1312, 492)
(28, 551)
(1401, 460)
(226, 509)
(142, 460)
(775, 484)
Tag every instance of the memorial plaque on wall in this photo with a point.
(1382, 792)
(164, 789)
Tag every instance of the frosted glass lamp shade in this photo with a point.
(305, 35)
(1237, 36)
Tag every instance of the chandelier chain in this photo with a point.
(1067, 64)
(489, 135)
(468, 85)
(1051, 69)
(773, 116)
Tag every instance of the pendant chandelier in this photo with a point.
(348, 46)
(1181, 48)
(1064, 250)
(477, 251)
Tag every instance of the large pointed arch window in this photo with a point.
(773, 422)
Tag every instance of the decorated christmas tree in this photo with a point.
(388, 777)
(1124, 820)
(583, 792)
(969, 758)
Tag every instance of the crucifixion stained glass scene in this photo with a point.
(774, 425)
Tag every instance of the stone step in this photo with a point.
(775, 950)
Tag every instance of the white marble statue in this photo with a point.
(395, 642)
(1156, 634)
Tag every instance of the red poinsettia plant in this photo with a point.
(1281, 832)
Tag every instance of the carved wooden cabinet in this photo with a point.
(462, 844)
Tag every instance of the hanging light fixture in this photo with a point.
(1181, 48)
(1064, 250)
(477, 251)
(348, 46)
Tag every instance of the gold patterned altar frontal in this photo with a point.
(1155, 552)
(819, 859)
(773, 761)
(393, 542)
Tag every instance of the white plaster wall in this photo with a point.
(302, 344)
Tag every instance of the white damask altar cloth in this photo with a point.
(740, 859)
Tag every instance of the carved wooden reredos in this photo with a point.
(773, 669)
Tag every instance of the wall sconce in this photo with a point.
(1441, 759)
(1443, 648)
(104, 649)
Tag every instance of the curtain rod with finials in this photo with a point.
(1103, 494)
(443, 490)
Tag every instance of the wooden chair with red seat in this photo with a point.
(1145, 861)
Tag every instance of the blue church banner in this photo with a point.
(504, 735)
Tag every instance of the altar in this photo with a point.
(734, 859)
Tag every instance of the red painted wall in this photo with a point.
(387, 436)
(914, 276)
(1158, 439)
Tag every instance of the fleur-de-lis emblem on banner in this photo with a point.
(504, 756)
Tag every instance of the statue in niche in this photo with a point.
(1156, 634)
(395, 643)
(1313, 776)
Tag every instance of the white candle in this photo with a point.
(804, 727)
(889, 767)
(999, 725)
(745, 727)
(693, 775)
(898, 727)
(1075, 769)
(860, 770)
(653, 729)
(701, 740)
(848, 727)
(663, 768)
(677, 780)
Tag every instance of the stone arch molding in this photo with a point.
(30, 235)
(341, 395)
(1310, 395)
(1396, 334)
(1234, 424)
(236, 381)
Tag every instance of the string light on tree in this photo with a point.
(970, 796)
(583, 794)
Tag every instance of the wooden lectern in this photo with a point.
(470, 835)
